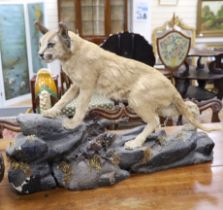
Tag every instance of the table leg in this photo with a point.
(219, 61)
(219, 85)
(2, 167)
(199, 64)
(182, 86)
(201, 83)
(1, 131)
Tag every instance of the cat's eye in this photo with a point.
(50, 45)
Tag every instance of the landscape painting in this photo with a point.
(210, 18)
(13, 50)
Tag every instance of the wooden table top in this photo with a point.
(205, 52)
(187, 188)
(202, 74)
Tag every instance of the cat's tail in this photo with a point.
(184, 111)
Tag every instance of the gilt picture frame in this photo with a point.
(209, 18)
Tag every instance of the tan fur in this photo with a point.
(91, 69)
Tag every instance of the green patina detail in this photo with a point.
(65, 167)
(45, 87)
(21, 166)
(11, 143)
(179, 135)
(161, 139)
(95, 163)
(31, 137)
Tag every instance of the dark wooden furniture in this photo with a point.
(201, 53)
(2, 167)
(130, 45)
(124, 113)
(10, 125)
(173, 47)
(175, 23)
(192, 187)
(214, 104)
(184, 77)
(213, 72)
(65, 82)
(94, 20)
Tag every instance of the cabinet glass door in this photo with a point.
(92, 17)
(67, 13)
(117, 15)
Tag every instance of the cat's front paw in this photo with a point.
(133, 144)
(51, 113)
(70, 123)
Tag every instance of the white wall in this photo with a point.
(51, 15)
(186, 10)
(142, 27)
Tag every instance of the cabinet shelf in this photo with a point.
(92, 21)
(102, 6)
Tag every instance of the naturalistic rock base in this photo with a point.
(2, 167)
(46, 156)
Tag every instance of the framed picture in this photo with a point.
(209, 18)
(168, 2)
(19, 58)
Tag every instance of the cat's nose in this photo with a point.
(41, 55)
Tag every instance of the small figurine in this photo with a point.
(149, 93)
(45, 87)
(44, 101)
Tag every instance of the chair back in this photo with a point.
(130, 45)
(175, 23)
(173, 48)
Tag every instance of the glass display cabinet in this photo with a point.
(94, 20)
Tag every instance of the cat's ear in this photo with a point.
(41, 27)
(63, 35)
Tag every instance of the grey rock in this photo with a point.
(186, 149)
(27, 148)
(27, 178)
(46, 128)
(46, 155)
(82, 175)
(129, 158)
